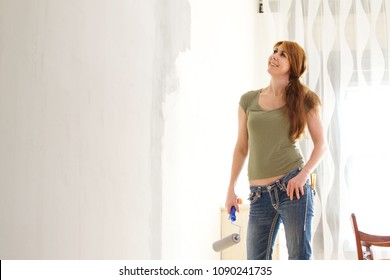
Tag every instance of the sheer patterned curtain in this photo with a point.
(347, 44)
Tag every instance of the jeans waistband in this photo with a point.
(278, 183)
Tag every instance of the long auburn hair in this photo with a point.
(298, 97)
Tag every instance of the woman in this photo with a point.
(271, 120)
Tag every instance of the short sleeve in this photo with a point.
(247, 100)
(244, 102)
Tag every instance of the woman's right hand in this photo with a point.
(231, 200)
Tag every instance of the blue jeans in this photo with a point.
(271, 206)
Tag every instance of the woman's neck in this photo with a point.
(277, 87)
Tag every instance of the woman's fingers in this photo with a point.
(294, 188)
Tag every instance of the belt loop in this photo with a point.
(282, 186)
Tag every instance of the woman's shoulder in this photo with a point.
(311, 100)
(249, 95)
(247, 99)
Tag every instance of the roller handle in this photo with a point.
(232, 215)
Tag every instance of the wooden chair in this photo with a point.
(365, 241)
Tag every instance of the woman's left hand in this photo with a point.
(296, 185)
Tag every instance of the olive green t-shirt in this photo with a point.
(271, 152)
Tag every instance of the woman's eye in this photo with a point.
(275, 51)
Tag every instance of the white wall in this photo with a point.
(79, 113)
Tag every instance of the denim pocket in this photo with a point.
(254, 196)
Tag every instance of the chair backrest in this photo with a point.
(365, 241)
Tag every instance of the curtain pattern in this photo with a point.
(347, 45)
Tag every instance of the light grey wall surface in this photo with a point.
(81, 86)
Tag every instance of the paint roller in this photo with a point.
(231, 239)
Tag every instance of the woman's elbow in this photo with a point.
(323, 147)
(242, 150)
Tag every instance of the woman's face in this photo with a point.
(278, 63)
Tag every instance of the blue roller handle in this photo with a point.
(232, 215)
